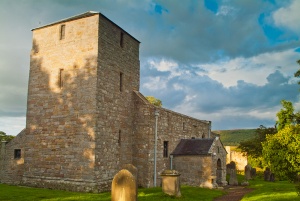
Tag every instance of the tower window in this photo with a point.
(119, 140)
(17, 153)
(62, 31)
(121, 39)
(166, 149)
(121, 82)
(61, 78)
(183, 126)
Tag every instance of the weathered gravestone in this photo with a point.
(267, 174)
(123, 187)
(248, 172)
(233, 178)
(171, 182)
(272, 177)
(253, 173)
(134, 171)
(231, 170)
(230, 166)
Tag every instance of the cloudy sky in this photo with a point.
(228, 61)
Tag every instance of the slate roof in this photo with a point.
(193, 147)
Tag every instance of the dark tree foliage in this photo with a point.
(4, 137)
(297, 74)
(253, 147)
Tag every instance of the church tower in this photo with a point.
(83, 71)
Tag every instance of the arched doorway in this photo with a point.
(219, 171)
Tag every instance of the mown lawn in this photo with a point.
(271, 191)
(16, 193)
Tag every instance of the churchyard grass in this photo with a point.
(271, 191)
(13, 193)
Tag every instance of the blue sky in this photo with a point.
(227, 61)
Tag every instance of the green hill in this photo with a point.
(234, 137)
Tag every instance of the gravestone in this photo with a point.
(267, 174)
(123, 187)
(230, 166)
(233, 178)
(253, 173)
(248, 172)
(133, 170)
(171, 182)
(272, 177)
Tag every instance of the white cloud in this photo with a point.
(288, 16)
(252, 70)
(164, 65)
(226, 10)
(12, 125)
(155, 83)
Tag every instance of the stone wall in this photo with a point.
(219, 154)
(194, 170)
(61, 117)
(118, 76)
(233, 155)
(172, 127)
(12, 166)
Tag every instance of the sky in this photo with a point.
(227, 61)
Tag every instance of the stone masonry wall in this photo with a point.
(219, 153)
(233, 155)
(61, 118)
(11, 167)
(194, 170)
(118, 76)
(172, 127)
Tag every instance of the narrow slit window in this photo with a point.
(61, 78)
(62, 31)
(119, 140)
(121, 39)
(17, 153)
(183, 126)
(121, 82)
(166, 143)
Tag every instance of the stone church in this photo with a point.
(86, 117)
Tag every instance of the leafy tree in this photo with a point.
(253, 147)
(281, 152)
(297, 74)
(4, 137)
(154, 101)
(287, 116)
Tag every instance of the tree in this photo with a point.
(286, 116)
(297, 74)
(154, 101)
(281, 152)
(4, 137)
(253, 147)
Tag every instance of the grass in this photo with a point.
(13, 193)
(271, 191)
(188, 194)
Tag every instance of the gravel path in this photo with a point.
(234, 193)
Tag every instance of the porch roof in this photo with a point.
(193, 147)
